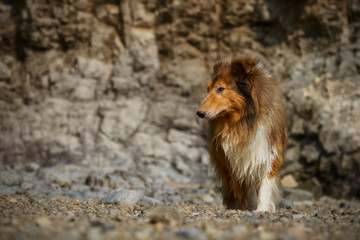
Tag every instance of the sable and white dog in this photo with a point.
(247, 133)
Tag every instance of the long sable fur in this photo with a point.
(255, 100)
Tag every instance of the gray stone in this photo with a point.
(310, 153)
(30, 181)
(163, 113)
(286, 203)
(52, 175)
(313, 185)
(8, 190)
(128, 197)
(292, 154)
(152, 146)
(297, 216)
(92, 68)
(298, 127)
(183, 167)
(5, 72)
(186, 152)
(63, 83)
(294, 168)
(325, 165)
(183, 137)
(289, 181)
(297, 194)
(43, 222)
(123, 119)
(85, 90)
(239, 230)
(122, 72)
(9, 177)
(191, 233)
(141, 17)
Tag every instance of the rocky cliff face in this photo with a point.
(98, 82)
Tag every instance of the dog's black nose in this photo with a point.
(201, 114)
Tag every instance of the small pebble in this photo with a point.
(191, 233)
(65, 218)
(297, 216)
(43, 222)
(208, 198)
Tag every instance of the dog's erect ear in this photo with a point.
(218, 66)
(242, 67)
(237, 68)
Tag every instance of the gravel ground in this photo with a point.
(24, 216)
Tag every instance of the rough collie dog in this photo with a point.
(247, 133)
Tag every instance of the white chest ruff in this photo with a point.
(254, 162)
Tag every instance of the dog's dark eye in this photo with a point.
(220, 89)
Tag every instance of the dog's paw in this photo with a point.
(262, 208)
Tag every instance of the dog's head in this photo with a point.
(230, 92)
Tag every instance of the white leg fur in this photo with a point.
(267, 196)
(253, 166)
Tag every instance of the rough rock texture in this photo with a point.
(102, 83)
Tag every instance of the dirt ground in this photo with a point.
(33, 217)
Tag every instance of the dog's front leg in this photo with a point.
(251, 198)
(268, 195)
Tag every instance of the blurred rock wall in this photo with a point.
(93, 82)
